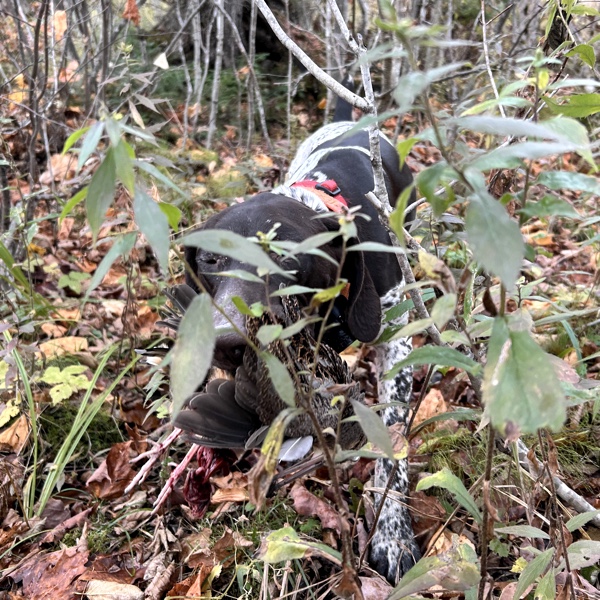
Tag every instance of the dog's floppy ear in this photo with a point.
(364, 307)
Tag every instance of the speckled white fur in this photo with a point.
(393, 548)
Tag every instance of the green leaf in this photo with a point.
(233, 245)
(291, 290)
(512, 156)
(567, 180)
(448, 481)
(280, 378)
(575, 105)
(243, 308)
(495, 238)
(523, 531)
(101, 192)
(549, 206)
(580, 520)
(532, 571)
(376, 432)
(193, 350)
(90, 143)
(113, 129)
(309, 244)
(456, 570)
(411, 85)
(436, 355)
(173, 214)
(509, 127)
(269, 333)
(404, 147)
(520, 386)
(124, 163)
(328, 294)
(73, 202)
(412, 328)
(73, 138)
(428, 181)
(583, 553)
(154, 172)
(154, 225)
(66, 382)
(285, 544)
(443, 310)
(585, 52)
(15, 271)
(396, 219)
(121, 247)
(575, 133)
(375, 247)
(513, 101)
(546, 588)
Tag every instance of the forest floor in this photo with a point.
(91, 531)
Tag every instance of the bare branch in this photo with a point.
(310, 65)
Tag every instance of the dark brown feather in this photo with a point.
(227, 414)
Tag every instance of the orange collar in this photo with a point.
(328, 191)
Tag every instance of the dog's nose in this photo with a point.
(229, 351)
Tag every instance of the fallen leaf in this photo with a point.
(51, 576)
(433, 404)
(230, 495)
(65, 345)
(114, 474)
(61, 168)
(53, 330)
(13, 438)
(111, 590)
(308, 505)
(374, 588)
(67, 315)
(264, 161)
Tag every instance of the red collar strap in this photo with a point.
(328, 191)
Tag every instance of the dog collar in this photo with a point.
(328, 191)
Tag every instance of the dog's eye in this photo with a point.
(208, 259)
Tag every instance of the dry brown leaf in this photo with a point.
(374, 588)
(67, 315)
(308, 505)
(195, 546)
(114, 474)
(433, 404)
(132, 12)
(51, 576)
(145, 320)
(230, 495)
(65, 345)
(264, 161)
(13, 438)
(53, 330)
(62, 167)
(111, 590)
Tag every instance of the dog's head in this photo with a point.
(361, 313)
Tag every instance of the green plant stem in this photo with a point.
(29, 492)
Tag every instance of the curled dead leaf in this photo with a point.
(308, 505)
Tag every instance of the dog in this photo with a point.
(331, 173)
